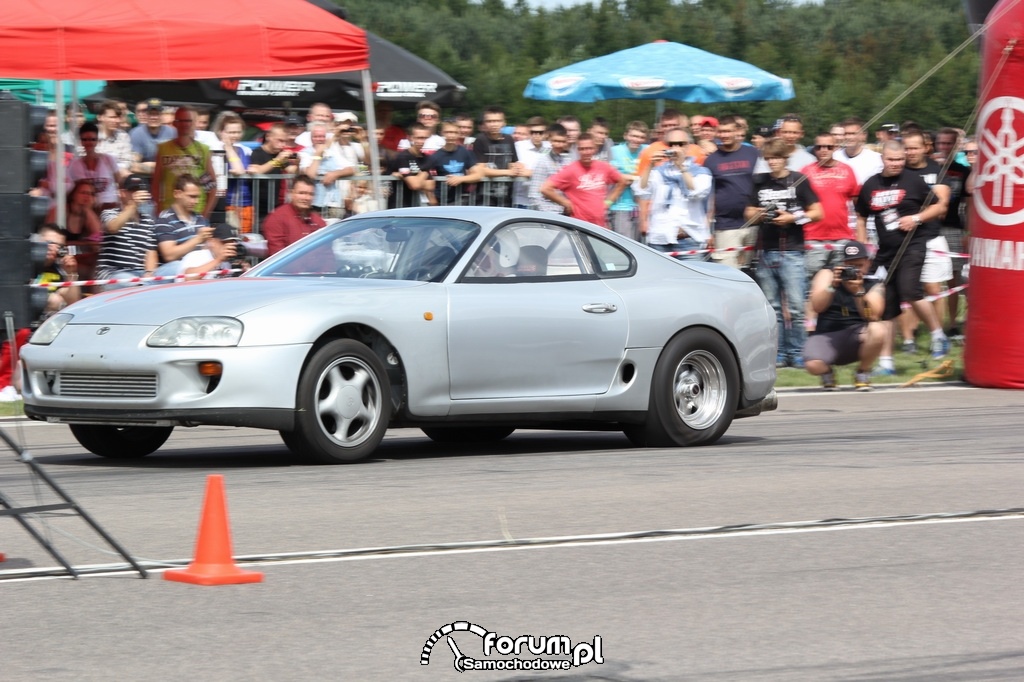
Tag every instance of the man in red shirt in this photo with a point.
(294, 220)
(836, 185)
(581, 187)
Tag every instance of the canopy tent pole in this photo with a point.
(371, 132)
(59, 191)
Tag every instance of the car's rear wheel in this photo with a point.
(694, 392)
(121, 442)
(468, 434)
(344, 402)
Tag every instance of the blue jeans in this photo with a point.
(784, 273)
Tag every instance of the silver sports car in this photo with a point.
(467, 323)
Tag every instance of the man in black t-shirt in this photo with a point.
(497, 152)
(902, 207)
(410, 182)
(782, 202)
(273, 157)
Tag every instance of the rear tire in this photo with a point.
(468, 434)
(694, 392)
(121, 442)
(344, 405)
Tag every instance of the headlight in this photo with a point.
(48, 330)
(197, 332)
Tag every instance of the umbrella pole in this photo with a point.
(371, 133)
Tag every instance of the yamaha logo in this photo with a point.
(102, 330)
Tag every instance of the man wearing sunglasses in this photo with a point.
(836, 185)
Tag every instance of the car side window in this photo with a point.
(530, 251)
(609, 259)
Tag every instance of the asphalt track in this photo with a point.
(844, 537)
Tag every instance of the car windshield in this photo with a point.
(401, 248)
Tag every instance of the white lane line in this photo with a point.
(378, 553)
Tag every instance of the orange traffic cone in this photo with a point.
(213, 564)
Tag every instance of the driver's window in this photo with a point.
(528, 251)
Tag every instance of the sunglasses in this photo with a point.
(538, 132)
(89, 139)
(680, 143)
(829, 147)
(425, 115)
(970, 151)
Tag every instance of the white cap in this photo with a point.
(345, 116)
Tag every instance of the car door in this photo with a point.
(531, 318)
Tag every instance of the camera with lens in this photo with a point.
(240, 250)
(771, 213)
(670, 152)
(62, 252)
(848, 274)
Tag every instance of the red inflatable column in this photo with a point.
(994, 354)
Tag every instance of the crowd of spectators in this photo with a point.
(142, 199)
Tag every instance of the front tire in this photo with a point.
(694, 392)
(344, 402)
(121, 442)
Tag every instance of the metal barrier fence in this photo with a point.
(252, 197)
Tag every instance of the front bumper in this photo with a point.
(114, 378)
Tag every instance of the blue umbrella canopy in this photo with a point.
(660, 70)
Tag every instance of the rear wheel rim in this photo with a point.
(699, 389)
(348, 402)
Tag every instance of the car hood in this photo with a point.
(156, 305)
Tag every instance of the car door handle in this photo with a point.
(599, 308)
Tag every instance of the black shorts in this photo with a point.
(835, 348)
(905, 282)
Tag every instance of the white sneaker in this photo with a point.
(9, 395)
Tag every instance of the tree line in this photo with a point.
(845, 57)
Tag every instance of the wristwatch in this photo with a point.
(917, 219)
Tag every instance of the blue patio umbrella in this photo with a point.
(660, 70)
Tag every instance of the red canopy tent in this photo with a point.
(177, 39)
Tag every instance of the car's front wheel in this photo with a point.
(344, 405)
(121, 442)
(694, 392)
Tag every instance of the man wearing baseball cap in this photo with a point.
(849, 309)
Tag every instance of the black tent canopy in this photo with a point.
(398, 76)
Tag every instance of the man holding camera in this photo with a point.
(849, 309)
(129, 236)
(782, 202)
(679, 189)
(58, 265)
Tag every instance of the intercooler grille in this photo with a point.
(84, 385)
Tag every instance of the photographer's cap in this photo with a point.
(345, 116)
(294, 121)
(224, 232)
(852, 250)
(155, 104)
(133, 183)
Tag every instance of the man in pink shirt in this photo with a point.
(581, 187)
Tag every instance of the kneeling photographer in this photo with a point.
(849, 307)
